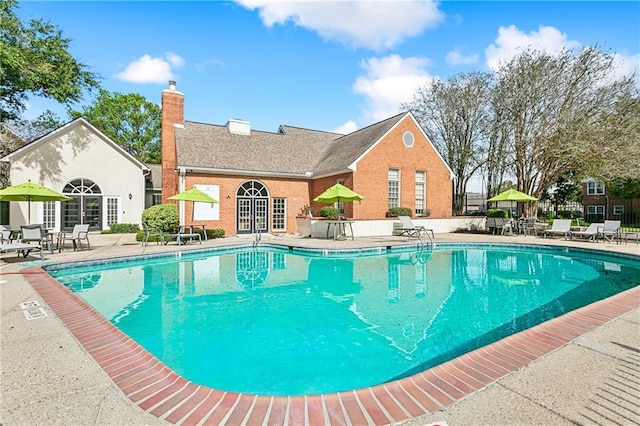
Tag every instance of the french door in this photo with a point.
(252, 208)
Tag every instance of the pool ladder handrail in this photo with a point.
(257, 236)
(421, 243)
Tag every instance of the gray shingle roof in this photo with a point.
(292, 150)
(155, 176)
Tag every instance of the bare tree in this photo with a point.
(455, 116)
(562, 114)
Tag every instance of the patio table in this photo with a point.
(340, 228)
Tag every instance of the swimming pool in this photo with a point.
(230, 321)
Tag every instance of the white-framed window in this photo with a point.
(279, 214)
(394, 188)
(49, 214)
(595, 210)
(156, 199)
(421, 198)
(595, 188)
(618, 210)
(112, 210)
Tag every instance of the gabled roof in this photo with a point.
(291, 151)
(347, 149)
(154, 178)
(66, 128)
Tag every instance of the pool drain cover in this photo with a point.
(32, 310)
(33, 313)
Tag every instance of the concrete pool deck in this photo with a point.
(49, 377)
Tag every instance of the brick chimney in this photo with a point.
(172, 113)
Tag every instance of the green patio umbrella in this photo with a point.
(512, 195)
(195, 195)
(30, 191)
(336, 194)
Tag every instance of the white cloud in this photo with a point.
(147, 69)
(511, 41)
(626, 65)
(371, 24)
(201, 66)
(456, 57)
(348, 127)
(388, 82)
(174, 59)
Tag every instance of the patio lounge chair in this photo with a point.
(411, 230)
(182, 236)
(591, 232)
(610, 230)
(21, 248)
(80, 232)
(559, 227)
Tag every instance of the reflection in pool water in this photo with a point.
(274, 322)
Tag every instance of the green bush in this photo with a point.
(215, 233)
(403, 211)
(497, 213)
(124, 228)
(161, 216)
(329, 212)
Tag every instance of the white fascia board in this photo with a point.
(337, 172)
(64, 128)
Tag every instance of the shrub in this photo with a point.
(497, 213)
(161, 216)
(215, 233)
(402, 211)
(124, 228)
(329, 212)
(152, 238)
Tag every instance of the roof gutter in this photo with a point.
(236, 172)
(333, 173)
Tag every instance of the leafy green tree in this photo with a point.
(35, 59)
(129, 120)
(625, 188)
(562, 112)
(455, 115)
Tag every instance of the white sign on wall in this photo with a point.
(207, 211)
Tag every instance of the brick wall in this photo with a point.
(371, 178)
(295, 191)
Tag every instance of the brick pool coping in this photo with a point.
(158, 390)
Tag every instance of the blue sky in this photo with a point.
(332, 65)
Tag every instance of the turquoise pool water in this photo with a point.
(276, 322)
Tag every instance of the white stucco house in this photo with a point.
(107, 184)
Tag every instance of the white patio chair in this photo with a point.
(610, 230)
(80, 232)
(157, 233)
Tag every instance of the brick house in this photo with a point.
(263, 180)
(599, 204)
